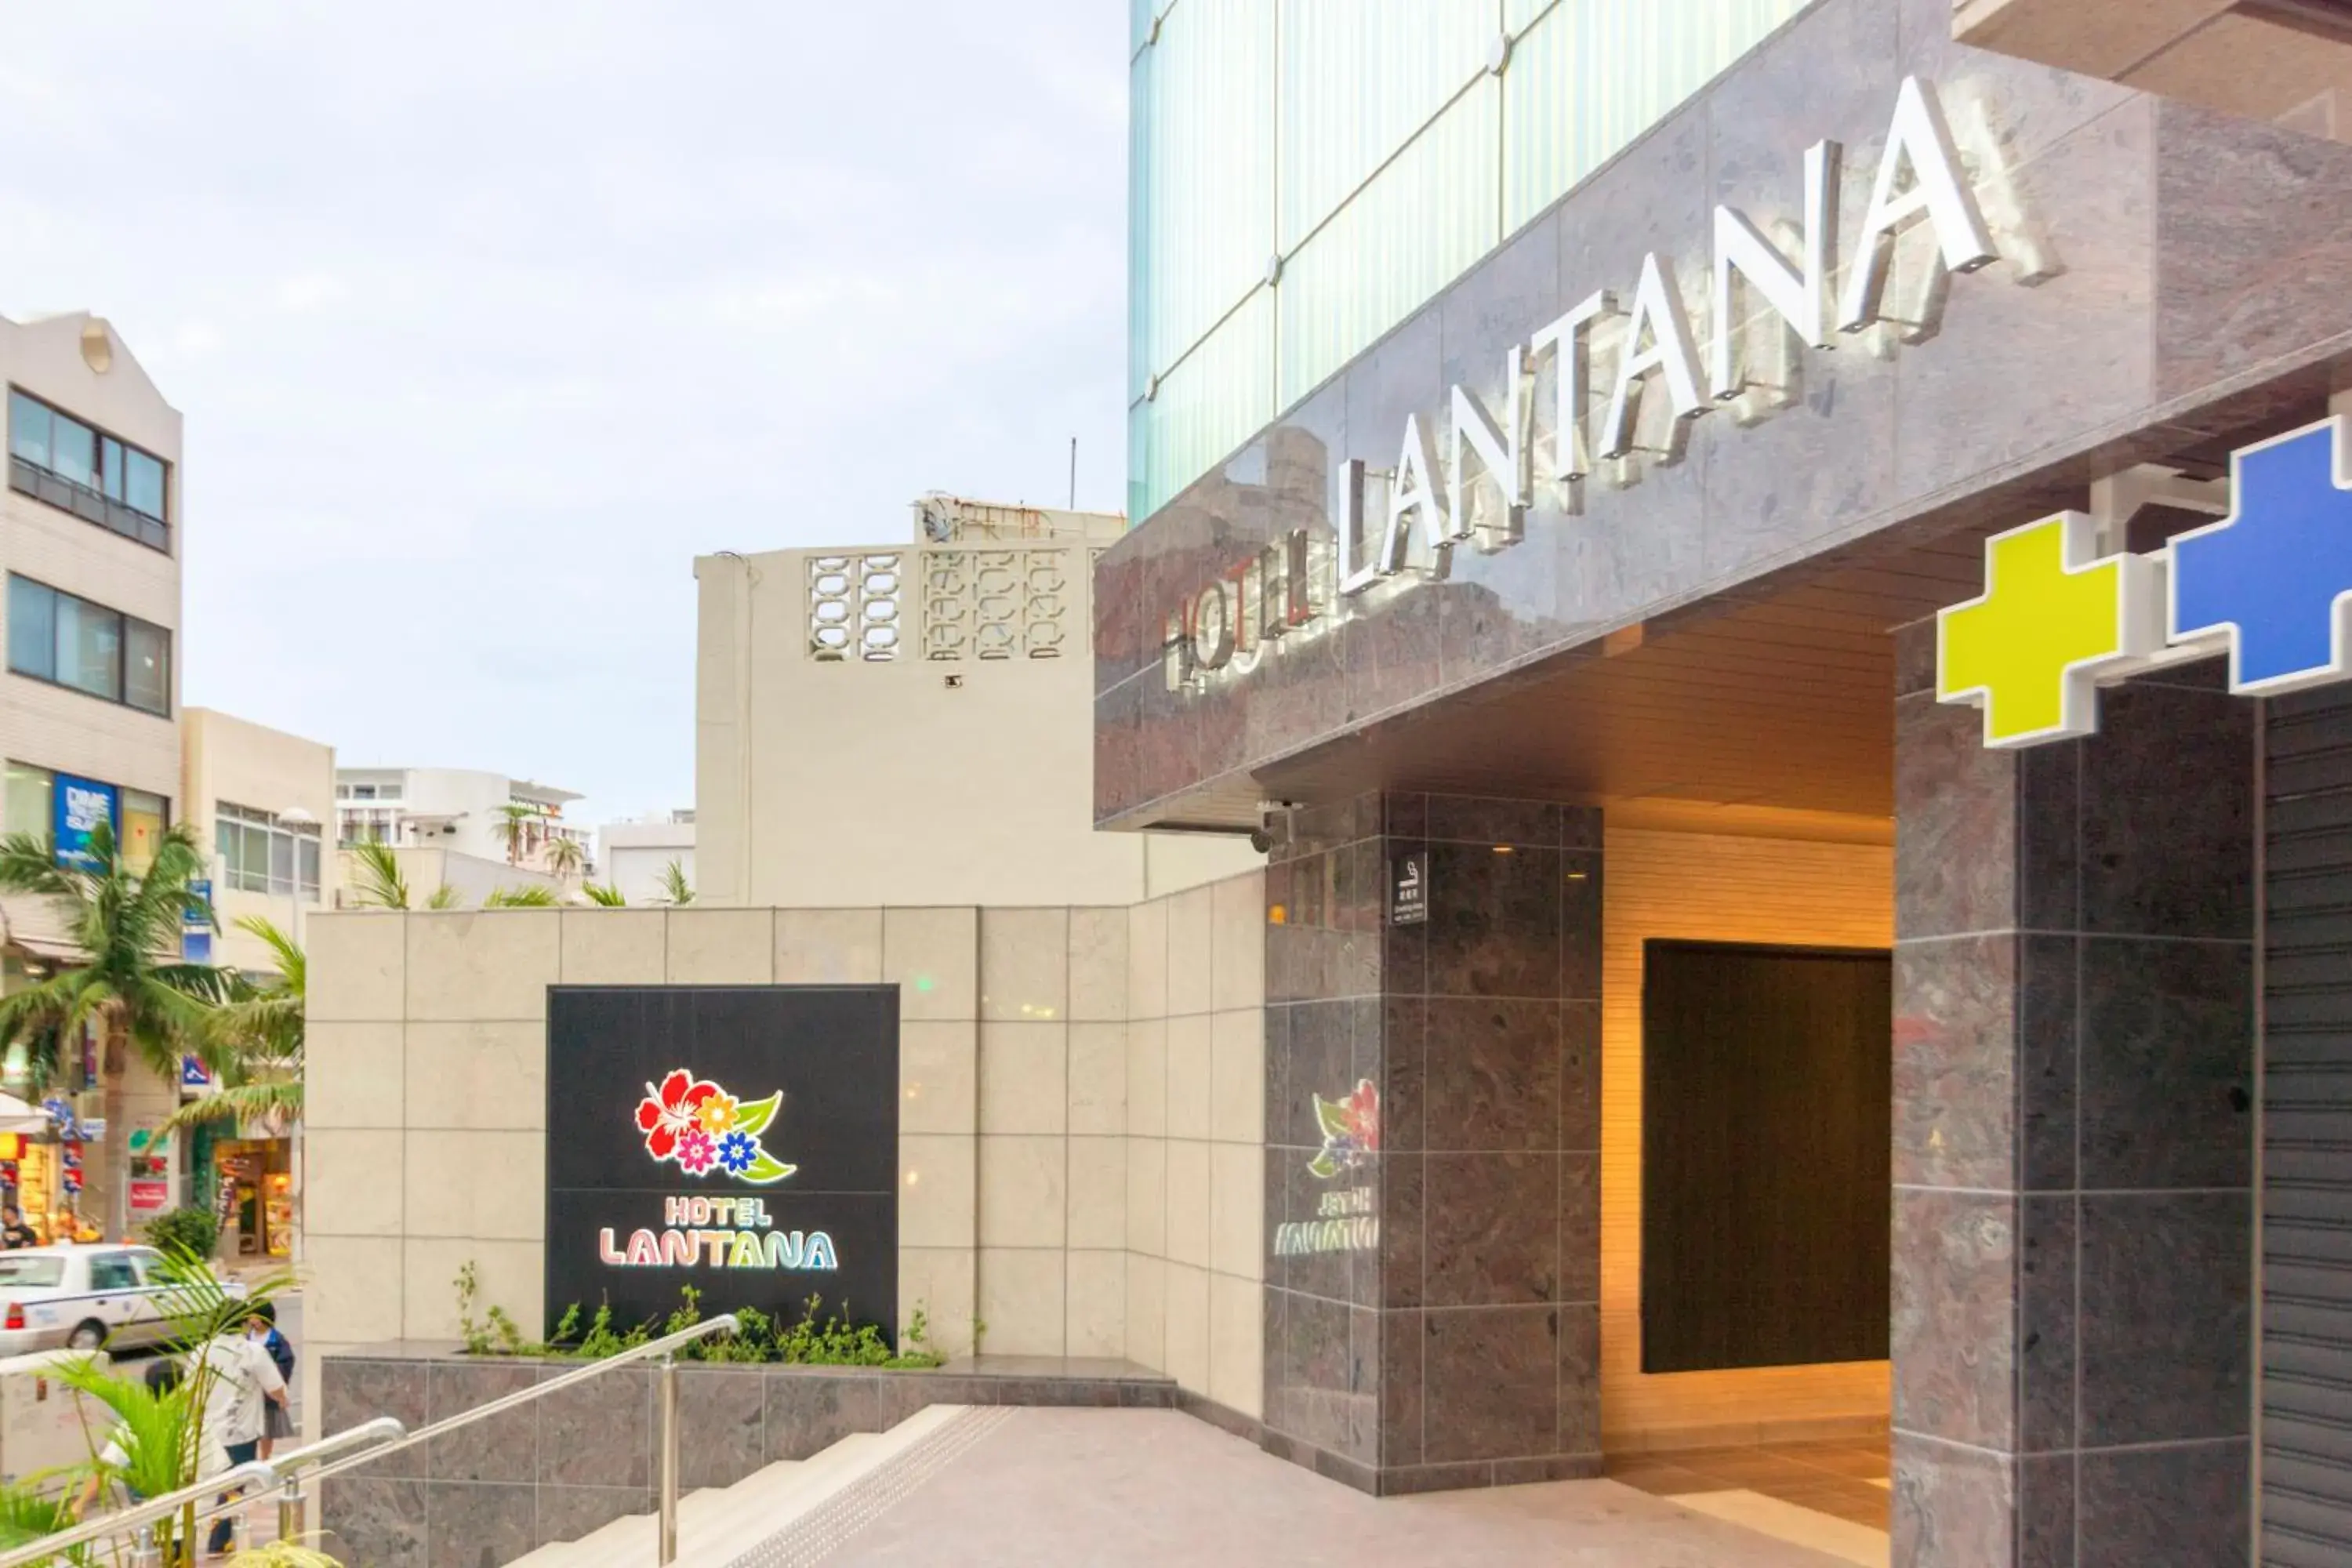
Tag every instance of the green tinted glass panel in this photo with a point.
(1357, 81)
(1217, 398)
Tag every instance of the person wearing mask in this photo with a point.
(14, 1232)
(243, 1383)
(276, 1421)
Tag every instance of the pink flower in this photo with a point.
(696, 1150)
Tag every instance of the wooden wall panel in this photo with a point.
(1721, 888)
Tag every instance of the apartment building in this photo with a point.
(259, 800)
(636, 857)
(466, 811)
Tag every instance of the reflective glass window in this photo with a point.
(28, 429)
(72, 450)
(308, 864)
(32, 628)
(109, 467)
(89, 648)
(143, 482)
(147, 668)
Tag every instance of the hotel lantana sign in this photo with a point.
(1628, 378)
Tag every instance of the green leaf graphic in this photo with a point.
(1333, 1115)
(765, 1168)
(754, 1118)
(1323, 1166)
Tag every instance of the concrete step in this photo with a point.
(717, 1522)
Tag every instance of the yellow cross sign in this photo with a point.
(2052, 619)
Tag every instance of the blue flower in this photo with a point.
(736, 1153)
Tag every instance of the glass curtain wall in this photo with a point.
(1303, 174)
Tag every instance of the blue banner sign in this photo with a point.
(196, 923)
(80, 805)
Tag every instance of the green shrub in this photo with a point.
(189, 1230)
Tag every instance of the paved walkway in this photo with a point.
(1079, 1489)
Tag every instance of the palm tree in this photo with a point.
(516, 819)
(127, 925)
(259, 1034)
(675, 888)
(564, 856)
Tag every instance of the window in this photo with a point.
(262, 855)
(363, 791)
(30, 804)
(24, 807)
(53, 636)
(112, 1273)
(143, 820)
(56, 458)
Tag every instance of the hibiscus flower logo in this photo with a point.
(698, 1125)
(1351, 1129)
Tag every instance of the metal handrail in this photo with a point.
(253, 1472)
(664, 1348)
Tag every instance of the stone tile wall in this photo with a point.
(1462, 1348)
(2073, 1133)
(1195, 1122)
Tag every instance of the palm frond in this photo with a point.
(293, 964)
(381, 884)
(445, 897)
(261, 1100)
(537, 895)
(605, 893)
(675, 888)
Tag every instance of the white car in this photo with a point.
(81, 1298)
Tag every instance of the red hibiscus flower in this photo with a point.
(667, 1113)
(1364, 1113)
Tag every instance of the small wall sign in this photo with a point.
(1409, 889)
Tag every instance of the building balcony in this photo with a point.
(89, 505)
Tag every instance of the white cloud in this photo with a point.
(485, 320)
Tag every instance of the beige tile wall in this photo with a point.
(1195, 1164)
(1079, 1132)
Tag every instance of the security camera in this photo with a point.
(1261, 840)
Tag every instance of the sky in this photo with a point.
(486, 318)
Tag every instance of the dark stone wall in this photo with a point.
(1464, 1351)
(2074, 1134)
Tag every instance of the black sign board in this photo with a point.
(1409, 889)
(742, 1140)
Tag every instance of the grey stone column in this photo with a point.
(1462, 1347)
(2074, 1059)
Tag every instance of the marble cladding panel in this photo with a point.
(2167, 1282)
(2049, 1031)
(1494, 922)
(2045, 1510)
(2167, 1069)
(1954, 1328)
(501, 1449)
(1486, 1394)
(374, 1522)
(1954, 1506)
(2249, 219)
(2169, 814)
(1491, 1073)
(2047, 1284)
(469, 1524)
(599, 1433)
(2188, 1503)
(1955, 1062)
(1954, 824)
(1492, 1229)
(1324, 1385)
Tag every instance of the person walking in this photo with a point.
(243, 1382)
(277, 1421)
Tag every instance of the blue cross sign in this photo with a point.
(2275, 577)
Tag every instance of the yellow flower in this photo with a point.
(718, 1113)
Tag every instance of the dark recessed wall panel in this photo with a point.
(1767, 1096)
